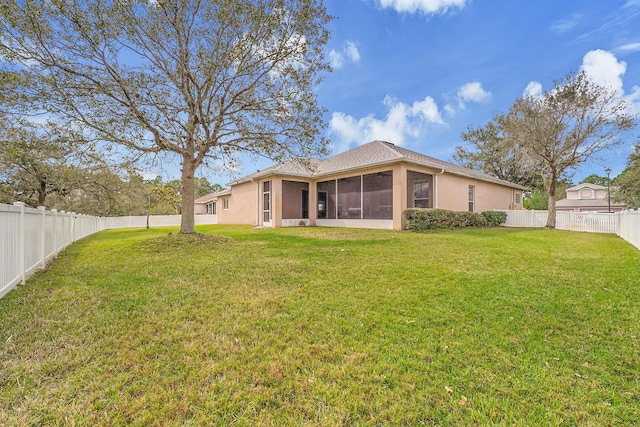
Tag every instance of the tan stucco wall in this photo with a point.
(242, 205)
(453, 194)
(276, 201)
(200, 208)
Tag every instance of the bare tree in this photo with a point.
(196, 79)
(564, 127)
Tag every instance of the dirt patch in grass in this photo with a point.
(184, 241)
(324, 234)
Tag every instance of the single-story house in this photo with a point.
(366, 187)
(588, 197)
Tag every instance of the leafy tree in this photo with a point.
(489, 151)
(164, 201)
(596, 179)
(565, 126)
(628, 182)
(165, 197)
(203, 187)
(189, 79)
(538, 199)
(106, 192)
(38, 161)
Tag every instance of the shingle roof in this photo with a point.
(586, 185)
(580, 203)
(374, 153)
(212, 196)
(204, 199)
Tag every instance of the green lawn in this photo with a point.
(316, 326)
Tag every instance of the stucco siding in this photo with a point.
(453, 194)
(242, 205)
(200, 208)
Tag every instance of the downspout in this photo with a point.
(436, 190)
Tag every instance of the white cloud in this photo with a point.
(468, 92)
(403, 121)
(629, 47)
(533, 89)
(633, 99)
(564, 25)
(604, 69)
(473, 92)
(349, 52)
(423, 6)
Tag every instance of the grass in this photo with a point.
(316, 326)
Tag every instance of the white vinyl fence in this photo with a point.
(625, 224)
(30, 237)
(155, 221)
(629, 226)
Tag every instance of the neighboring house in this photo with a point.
(588, 197)
(366, 187)
(209, 204)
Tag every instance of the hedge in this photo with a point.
(416, 219)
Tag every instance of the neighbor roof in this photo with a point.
(212, 196)
(375, 153)
(581, 203)
(586, 185)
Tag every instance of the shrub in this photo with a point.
(495, 218)
(424, 219)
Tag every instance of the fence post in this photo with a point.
(72, 227)
(533, 218)
(43, 239)
(54, 231)
(21, 242)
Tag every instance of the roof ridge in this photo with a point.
(389, 146)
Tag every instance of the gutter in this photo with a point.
(435, 188)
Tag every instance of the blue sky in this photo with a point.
(418, 73)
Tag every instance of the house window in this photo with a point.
(225, 203)
(266, 201)
(586, 193)
(421, 194)
(419, 190)
(211, 208)
(518, 197)
(472, 191)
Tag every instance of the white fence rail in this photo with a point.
(155, 221)
(30, 237)
(625, 224)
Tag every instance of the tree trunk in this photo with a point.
(551, 206)
(187, 223)
(42, 194)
